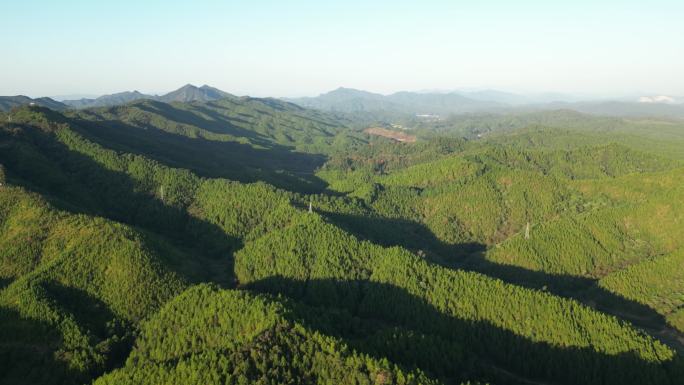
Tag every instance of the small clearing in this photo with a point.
(398, 136)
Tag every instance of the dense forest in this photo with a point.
(254, 241)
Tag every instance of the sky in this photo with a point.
(298, 47)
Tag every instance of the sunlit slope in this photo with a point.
(314, 262)
(99, 234)
(657, 282)
(637, 216)
(76, 281)
(76, 284)
(479, 193)
(566, 130)
(73, 284)
(207, 335)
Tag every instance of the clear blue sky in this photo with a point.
(293, 48)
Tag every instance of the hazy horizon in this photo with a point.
(550, 93)
(305, 48)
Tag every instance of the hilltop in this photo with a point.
(9, 102)
(187, 93)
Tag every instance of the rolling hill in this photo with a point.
(433, 105)
(411, 103)
(243, 240)
(9, 102)
(187, 93)
(624, 109)
(190, 93)
(108, 100)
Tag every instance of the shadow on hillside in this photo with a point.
(88, 311)
(27, 353)
(95, 316)
(386, 321)
(218, 124)
(278, 104)
(471, 256)
(116, 196)
(583, 289)
(275, 164)
(401, 232)
(29, 348)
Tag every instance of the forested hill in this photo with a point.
(187, 93)
(354, 101)
(244, 139)
(248, 240)
(439, 105)
(9, 102)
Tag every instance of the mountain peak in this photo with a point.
(192, 93)
(187, 93)
(345, 92)
(188, 86)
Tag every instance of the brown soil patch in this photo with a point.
(398, 136)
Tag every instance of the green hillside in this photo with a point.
(637, 220)
(320, 265)
(657, 283)
(9, 102)
(173, 243)
(207, 335)
(74, 284)
(243, 139)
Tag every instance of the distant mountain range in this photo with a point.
(108, 100)
(427, 104)
(352, 100)
(430, 102)
(185, 94)
(447, 103)
(9, 102)
(618, 108)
